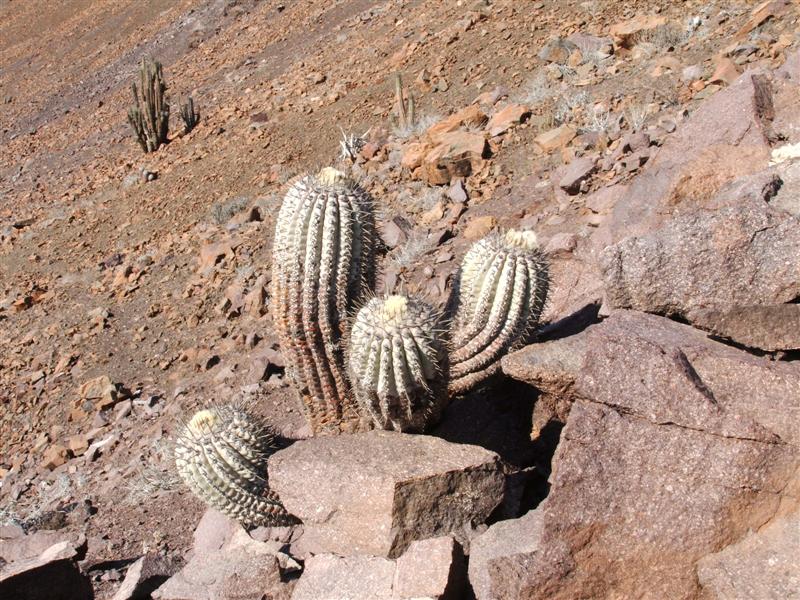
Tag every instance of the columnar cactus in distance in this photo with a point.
(323, 268)
(500, 294)
(221, 454)
(149, 116)
(397, 357)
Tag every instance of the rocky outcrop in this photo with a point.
(675, 447)
(375, 493)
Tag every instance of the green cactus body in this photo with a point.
(500, 295)
(397, 357)
(221, 454)
(323, 267)
(149, 117)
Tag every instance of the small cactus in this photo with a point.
(323, 267)
(500, 294)
(350, 145)
(397, 359)
(190, 115)
(221, 454)
(149, 118)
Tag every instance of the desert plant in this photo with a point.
(149, 117)
(221, 454)
(499, 296)
(404, 118)
(397, 359)
(190, 115)
(323, 267)
(350, 145)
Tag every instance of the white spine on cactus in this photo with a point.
(500, 295)
(397, 359)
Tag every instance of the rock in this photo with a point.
(578, 171)
(675, 447)
(761, 565)
(725, 72)
(724, 139)
(145, 575)
(376, 492)
(457, 154)
(506, 118)
(214, 531)
(601, 47)
(493, 571)
(471, 116)
(479, 227)
(55, 456)
(395, 232)
(413, 154)
(625, 33)
(762, 12)
(735, 256)
(51, 574)
(101, 391)
(772, 328)
(242, 569)
(557, 50)
(433, 568)
(691, 73)
(351, 577)
(555, 138)
(561, 243)
(457, 192)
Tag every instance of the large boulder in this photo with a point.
(374, 493)
(708, 265)
(674, 448)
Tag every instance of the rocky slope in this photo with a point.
(644, 446)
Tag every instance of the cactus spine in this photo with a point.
(323, 267)
(397, 359)
(221, 454)
(149, 118)
(500, 295)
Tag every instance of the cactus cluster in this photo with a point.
(189, 115)
(149, 117)
(500, 294)
(221, 454)
(397, 359)
(400, 369)
(323, 268)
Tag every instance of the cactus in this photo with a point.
(405, 119)
(323, 267)
(221, 454)
(500, 294)
(397, 358)
(190, 115)
(150, 116)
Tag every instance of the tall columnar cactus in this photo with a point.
(500, 295)
(149, 118)
(323, 268)
(398, 363)
(221, 454)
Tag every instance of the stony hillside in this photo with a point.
(643, 444)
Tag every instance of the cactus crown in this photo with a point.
(222, 454)
(397, 356)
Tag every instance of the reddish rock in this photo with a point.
(470, 116)
(351, 577)
(725, 72)
(555, 138)
(413, 154)
(625, 33)
(457, 154)
(375, 493)
(506, 118)
(479, 227)
(578, 171)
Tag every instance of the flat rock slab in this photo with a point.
(430, 569)
(675, 446)
(376, 492)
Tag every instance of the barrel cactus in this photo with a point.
(499, 296)
(323, 268)
(221, 454)
(397, 357)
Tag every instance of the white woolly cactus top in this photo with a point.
(333, 178)
(202, 422)
(522, 238)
